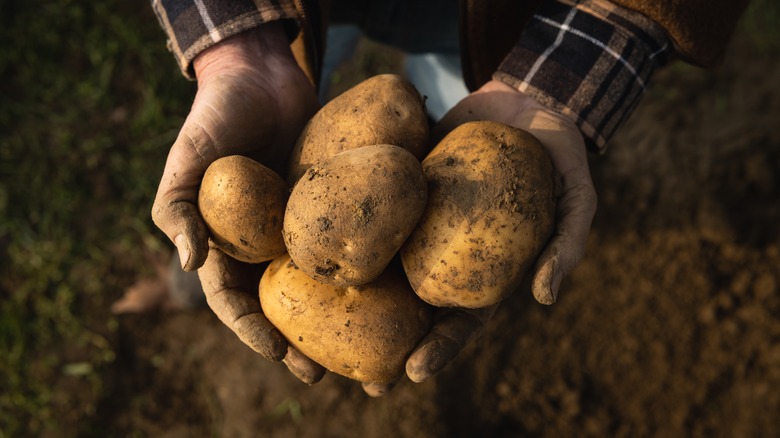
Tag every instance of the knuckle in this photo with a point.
(158, 215)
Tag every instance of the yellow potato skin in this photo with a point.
(365, 333)
(383, 109)
(491, 209)
(242, 203)
(348, 216)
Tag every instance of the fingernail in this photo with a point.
(184, 252)
(546, 297)
(436, 357)
(555, 285)
(544, 293)
(377, 389)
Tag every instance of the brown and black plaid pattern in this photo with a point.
(587, 59)
(195, 25)
(590, 60)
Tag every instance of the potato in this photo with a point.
(348, 216)
(491, 209)
(384, 109)
(365, 333)
(242, 203)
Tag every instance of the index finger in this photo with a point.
(454, 329)
(230, 287)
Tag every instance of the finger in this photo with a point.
(231, 291)
(305, 369)
(222, 121)
(454, 329)
(375, 389)
(175, 209)
(576, 208)
(576, 205)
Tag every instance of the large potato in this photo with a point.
(384, 109)
(491, 209)
(365, 333)
(347, 216)
(242, 203)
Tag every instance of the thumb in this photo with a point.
(576, 204)
(175, 209)
(180, 221)
(565, 249)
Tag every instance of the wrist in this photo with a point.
(262, 50)
(513, 107)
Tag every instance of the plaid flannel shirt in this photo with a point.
(590, 60)
(193, 26)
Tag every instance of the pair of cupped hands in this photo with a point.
(253, 100)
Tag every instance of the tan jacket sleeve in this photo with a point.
(699, 29)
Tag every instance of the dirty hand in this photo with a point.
(252, 100)
(455, 328)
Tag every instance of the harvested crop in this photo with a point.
(491, 210)
(384, 109)
(365, 333)
(348, 215)
(242, 203)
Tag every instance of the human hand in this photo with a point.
(252, 100)
(455, 328)
(576, 204)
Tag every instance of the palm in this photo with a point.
(576, 206)
(252, 100)
(233, 113)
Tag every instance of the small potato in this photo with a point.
(384, 109)
(242, 203)
(491, 209)
(348, 216)
(365, 333)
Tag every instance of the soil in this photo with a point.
(668, 327)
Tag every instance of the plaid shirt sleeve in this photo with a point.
(590, 60)
(192, 26)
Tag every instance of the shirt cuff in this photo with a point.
(192, 26)
(589, 60)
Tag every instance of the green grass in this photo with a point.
(91, 102)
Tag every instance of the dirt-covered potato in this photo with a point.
(384, 109)
(348, 215)
(365, 333)
(491, 209)
(242, 203)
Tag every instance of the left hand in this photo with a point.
(456, 328)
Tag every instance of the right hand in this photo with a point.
(565, 145)
(456, 328)
(252, 100)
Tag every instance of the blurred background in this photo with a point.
(670, 324)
